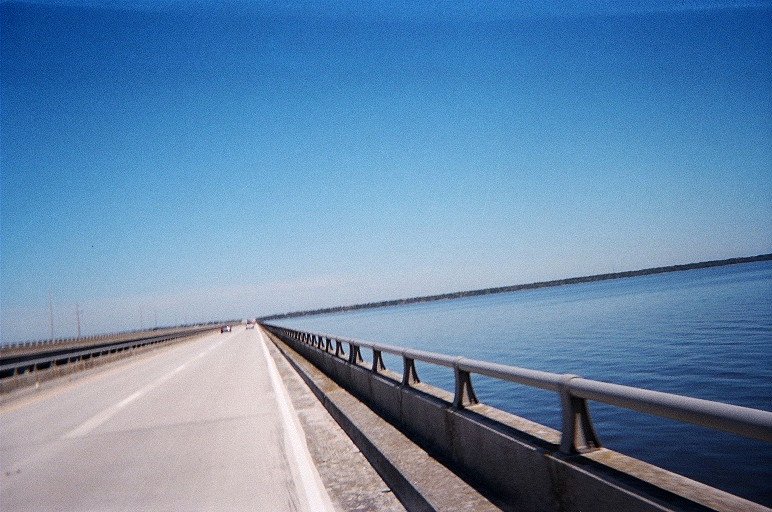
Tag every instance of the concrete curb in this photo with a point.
(350, 479)
(418, 480)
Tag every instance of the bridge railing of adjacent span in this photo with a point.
(48, 355)
(577, 433)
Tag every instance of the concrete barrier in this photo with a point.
(517, 462)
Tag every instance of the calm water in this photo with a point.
(704, 333)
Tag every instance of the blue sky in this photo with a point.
(169, 162)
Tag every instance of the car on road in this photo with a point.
(250, 324)
(225, 328)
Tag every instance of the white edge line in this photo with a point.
(313, 488)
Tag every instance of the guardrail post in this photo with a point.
(327, 344)
(378, 361)
(465, 394)
(354, 354)
(339, 348)
(409, 373)
(578, 434)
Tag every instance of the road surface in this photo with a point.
(201, 425)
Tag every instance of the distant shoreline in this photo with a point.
(520, 287)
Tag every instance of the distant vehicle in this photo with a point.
(251, 324)
(225, 328)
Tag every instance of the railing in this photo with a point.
(52, 342)
(33, 362)
(577, 433)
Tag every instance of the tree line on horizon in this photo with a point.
(519, 287)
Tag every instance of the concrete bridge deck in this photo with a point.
(277, 420)
(201, 425)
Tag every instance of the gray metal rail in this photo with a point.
(578, 433)
(54, 342)
(31, 362)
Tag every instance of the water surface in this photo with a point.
(704, 333)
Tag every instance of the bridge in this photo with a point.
(277, 419)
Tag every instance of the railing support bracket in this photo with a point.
(578, 434)
(465, 395)
(378, 361)
(355, 354)
(409, 373)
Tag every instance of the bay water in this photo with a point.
(705, 333)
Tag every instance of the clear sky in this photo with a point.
(169, 162)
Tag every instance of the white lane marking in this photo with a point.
(99, 418)
(295, 441)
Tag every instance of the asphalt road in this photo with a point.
(202, 425)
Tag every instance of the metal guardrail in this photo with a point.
(53, 342)
(577, 433)
(32, 362)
